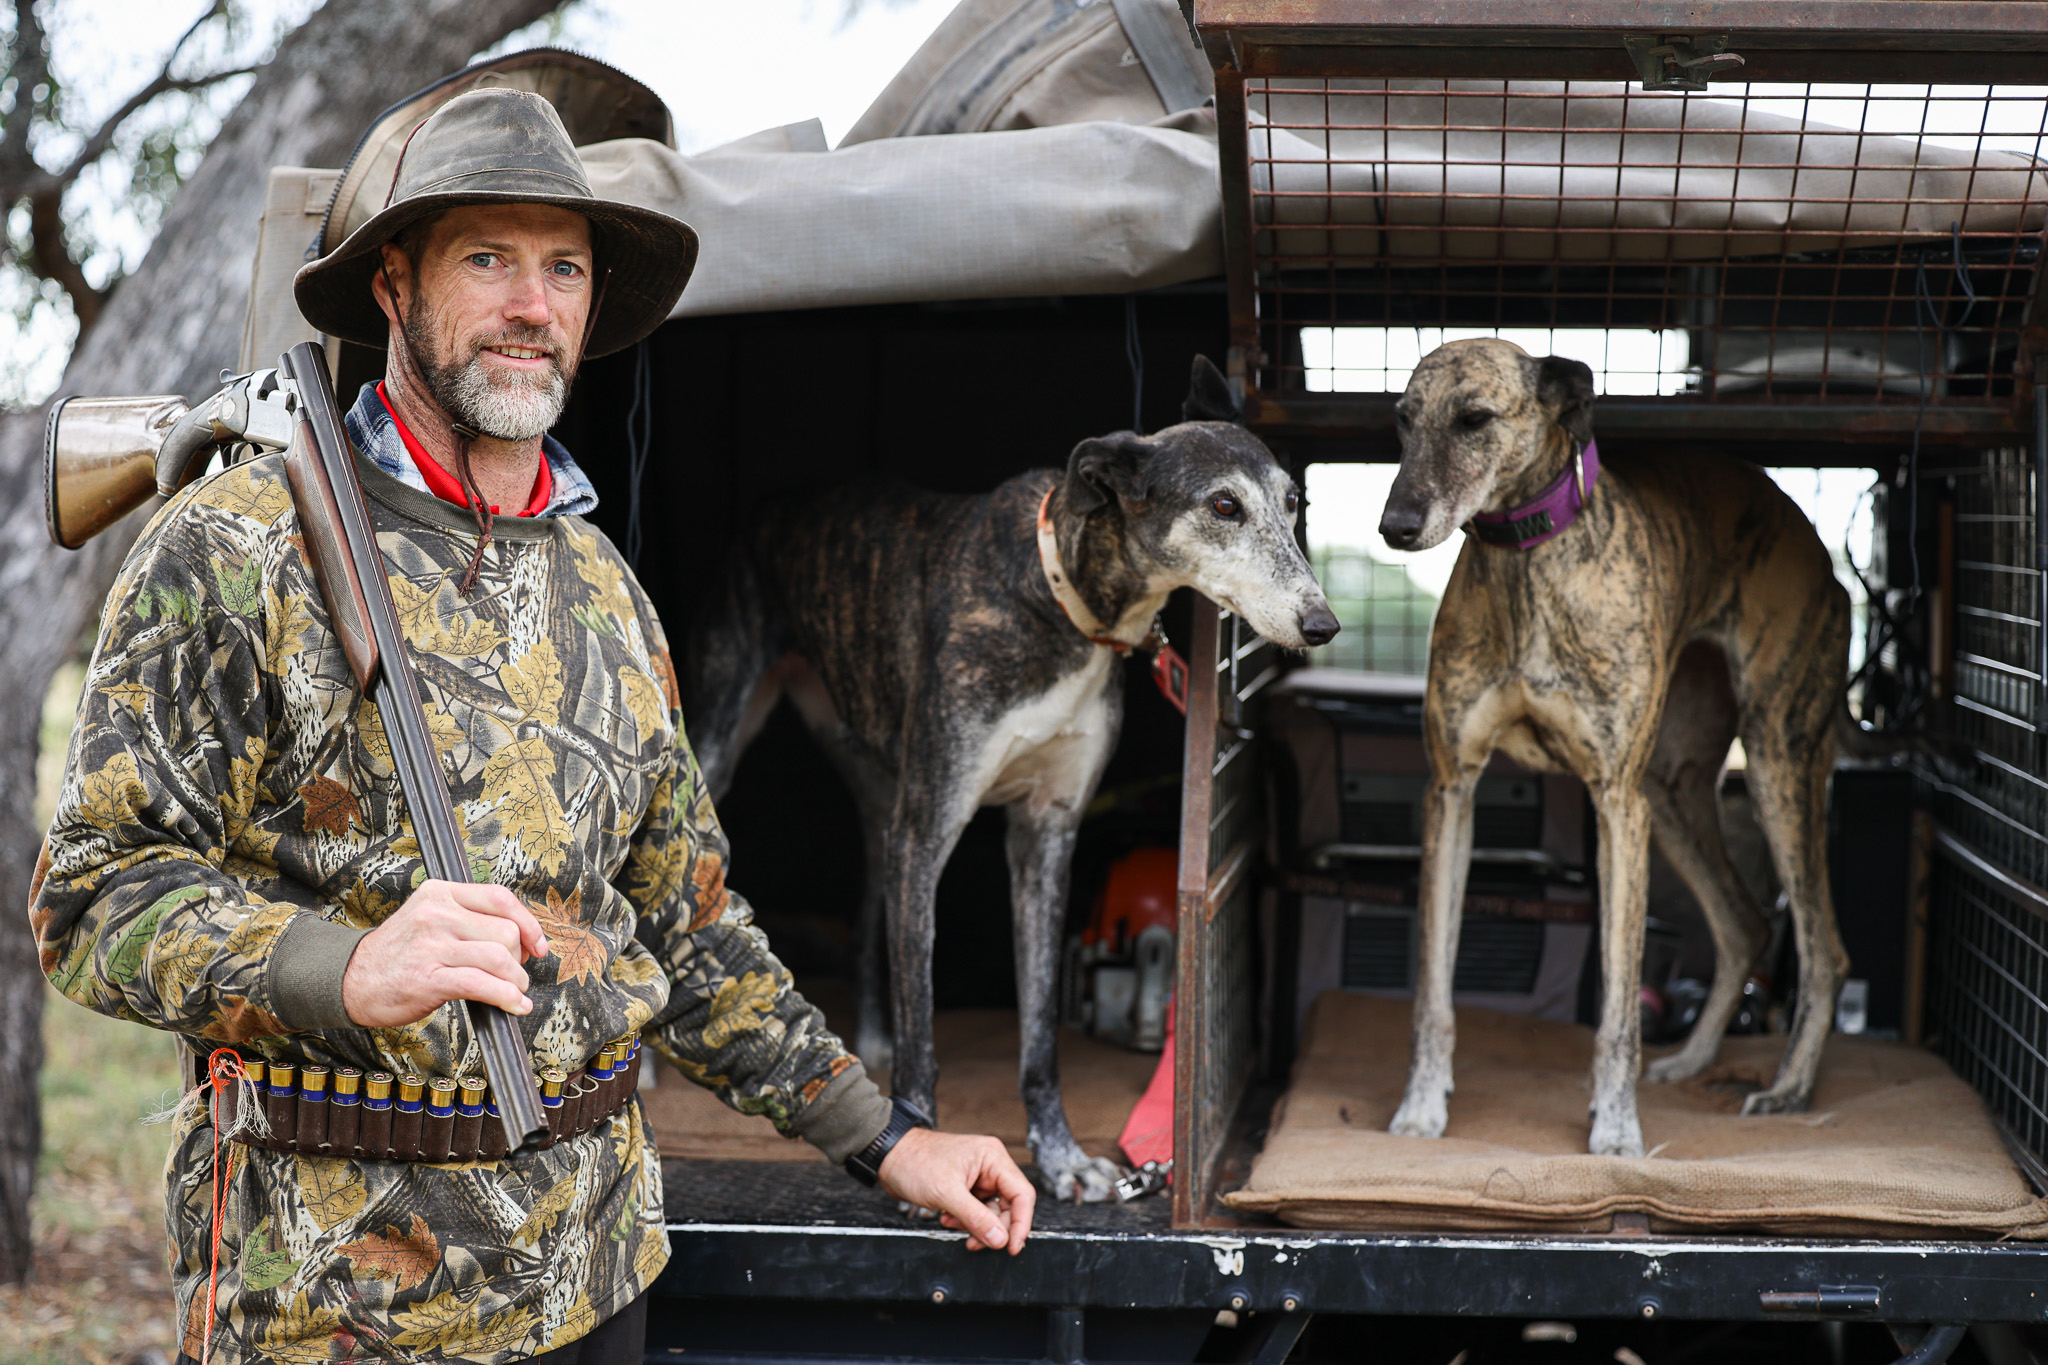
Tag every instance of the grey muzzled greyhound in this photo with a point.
(922, 641)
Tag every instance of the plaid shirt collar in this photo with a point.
(374, 433)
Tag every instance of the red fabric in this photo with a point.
(444, 486)
(1148, 1133)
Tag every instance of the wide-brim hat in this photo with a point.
(499, 145)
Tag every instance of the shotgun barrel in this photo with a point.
(349, 567)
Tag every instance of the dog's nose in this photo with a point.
(1401, 527)
(1319, 624)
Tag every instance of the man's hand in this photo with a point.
(449, 941)
(971, 1181)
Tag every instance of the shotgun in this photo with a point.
(293, 408)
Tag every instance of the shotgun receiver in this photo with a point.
(293, 408)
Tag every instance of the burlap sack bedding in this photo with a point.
(1894, 1145)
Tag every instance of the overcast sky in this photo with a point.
(726, 69)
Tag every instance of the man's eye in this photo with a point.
(1226, 506)
(482, 260)
(568, 270)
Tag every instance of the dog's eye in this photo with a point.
(1293, 502)
(1227, 507)
(1400, 419)
(1472, 421)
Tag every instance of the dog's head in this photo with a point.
(1478, 421)
(1205, 505)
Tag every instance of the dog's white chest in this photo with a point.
(1049, 749)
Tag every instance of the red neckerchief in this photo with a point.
(442, 484)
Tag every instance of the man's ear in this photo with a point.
(1107, 467)
(1209, 397)
(1566, 387)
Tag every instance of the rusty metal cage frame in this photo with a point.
(1989, 610)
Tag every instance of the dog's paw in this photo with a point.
(1775, 1101)
(1423, 1116)
(1616, 1135)
(1091, 1180)
(1679, 1066)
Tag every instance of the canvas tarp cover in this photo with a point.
(1024, 151)
(1893, 1145)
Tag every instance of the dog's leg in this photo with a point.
(1624, 816)
(727, 678)
(1790, 784)
(1700, 721)
(1685, 814)
(872, 1038)
(1446, 856)
(1041, 850)
(927, 823)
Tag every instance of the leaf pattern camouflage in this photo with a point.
(226, 776)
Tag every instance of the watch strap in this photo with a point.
(866, 1164)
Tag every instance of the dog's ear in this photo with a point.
(1567, 386)
(1106, 467)
(1209, 397)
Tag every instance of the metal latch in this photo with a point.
(1831, 1300)
(1678, 61)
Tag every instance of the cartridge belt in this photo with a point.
(345, 1113)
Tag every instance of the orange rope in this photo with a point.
(223, 1068)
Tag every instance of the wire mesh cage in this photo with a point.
(1831, 260)
(1762, 242)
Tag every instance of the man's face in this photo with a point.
(493, 315)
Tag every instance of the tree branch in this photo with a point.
(50, 256)
(103, 138)
(30, 68)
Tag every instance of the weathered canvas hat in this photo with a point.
(498, 145)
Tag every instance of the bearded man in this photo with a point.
(232, 859)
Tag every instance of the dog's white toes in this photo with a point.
(1421, 1116)
(1616, 1137)
(1091, 1181)
(1775, 1102)
(916, 1213)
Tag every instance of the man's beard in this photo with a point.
(505, 407)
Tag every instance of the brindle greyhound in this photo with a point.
(932, 647)
(1626, 634)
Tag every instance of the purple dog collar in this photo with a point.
(1549, 512)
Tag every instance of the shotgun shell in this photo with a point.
(375, 1138)
(344, 1111)
(553, 1084)
(601, 1065)
(437, 1133)
(254, 1069)
(467, 1143)
(405, 1121)
(281, 1103)
(312, 1122)
(493, 1146)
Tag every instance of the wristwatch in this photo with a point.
(866, 1164)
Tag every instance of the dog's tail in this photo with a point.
(733, 640)
(1949, 756)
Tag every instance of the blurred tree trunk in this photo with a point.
(170, 328)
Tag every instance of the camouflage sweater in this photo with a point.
(231, 825)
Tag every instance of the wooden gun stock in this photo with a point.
(349, 567)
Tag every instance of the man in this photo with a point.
(232, 860)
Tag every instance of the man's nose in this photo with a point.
(528, 301)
